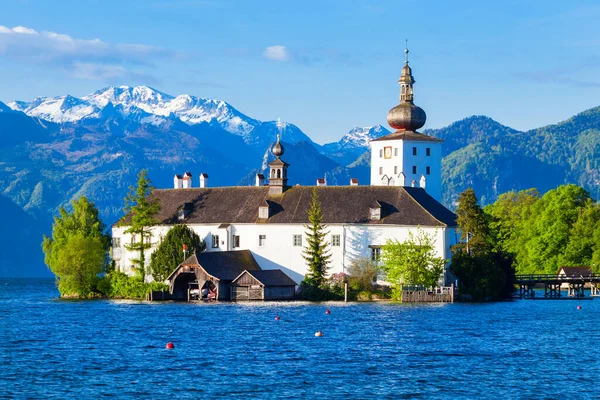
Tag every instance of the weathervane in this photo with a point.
(279, 127)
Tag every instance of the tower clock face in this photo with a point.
(387, 152)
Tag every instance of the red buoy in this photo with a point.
(579, 307)
(170, 345)
(327, 312)
(277, 318)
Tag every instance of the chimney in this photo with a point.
(353, 182)
(260, 180)
(177, 182)
(187, 180)
(401, 179)
(423, 182)
(321, 182)
(203, 180)
(413, 183)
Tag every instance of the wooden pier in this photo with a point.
(576, 286)
(419, 294)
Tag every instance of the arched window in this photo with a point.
(279, 173)
(273, 173)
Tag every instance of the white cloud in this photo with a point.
(277, 53)
(76, 55)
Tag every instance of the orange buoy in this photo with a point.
(319, 334)
(170, 345)
(579, 307)
(277, 318)
(327, 312)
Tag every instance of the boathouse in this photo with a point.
(574, 272)
(272, 284)
(228, 275)
(210, 270)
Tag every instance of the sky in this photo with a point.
(327, 66)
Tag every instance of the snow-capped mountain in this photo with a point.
(143, 104)
(59, 109)
(360, 137)
(353, 143)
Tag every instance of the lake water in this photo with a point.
(55, 348)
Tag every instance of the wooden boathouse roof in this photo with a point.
(222, 265)
(267, 277)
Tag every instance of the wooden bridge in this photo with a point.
(553, 284)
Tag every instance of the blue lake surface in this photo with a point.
(52, 348)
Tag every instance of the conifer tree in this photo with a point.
(472, 222)
(315, 252)
(141, 212)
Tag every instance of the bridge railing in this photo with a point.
(555, 277)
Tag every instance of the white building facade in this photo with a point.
(269, 220)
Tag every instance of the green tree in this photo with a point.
(362, 272)
(484, 276)
(413, 262)
(474, 229)
(169, 252)
(316, 250)
(140, 212)
(548, 229)
(582, 238)
(507, 216)
(483, 270)
(77, 252)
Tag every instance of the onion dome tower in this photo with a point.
(278, 168)
(406, 116)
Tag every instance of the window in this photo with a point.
(263, 212)
(380, 153)
(262, 240)
(116, 242)
(396, 170)
(414, 151)
(375, 213)
(375, 252)
(147, 240)
(414, 169)
(236, 241)
(428, 151)
(428, 170)
(297, 240)
(335, 240)
(380, 170)
(215, 241)
(396, 151)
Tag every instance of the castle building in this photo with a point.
(406, 157)
(269, 219)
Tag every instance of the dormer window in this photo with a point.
(263, 212)
(375, 213)
(185, 211)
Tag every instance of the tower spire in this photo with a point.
(406, 52)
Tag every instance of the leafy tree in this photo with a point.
(315, 252)
(483, 270)
(169, 253)
(484, 276)
(548, 229)
(474, 230)
(507, 216)
(362, 272)
(583, 241)
(77, 251)
(412, 262)
(140, 212)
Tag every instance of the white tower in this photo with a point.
(406, 155)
